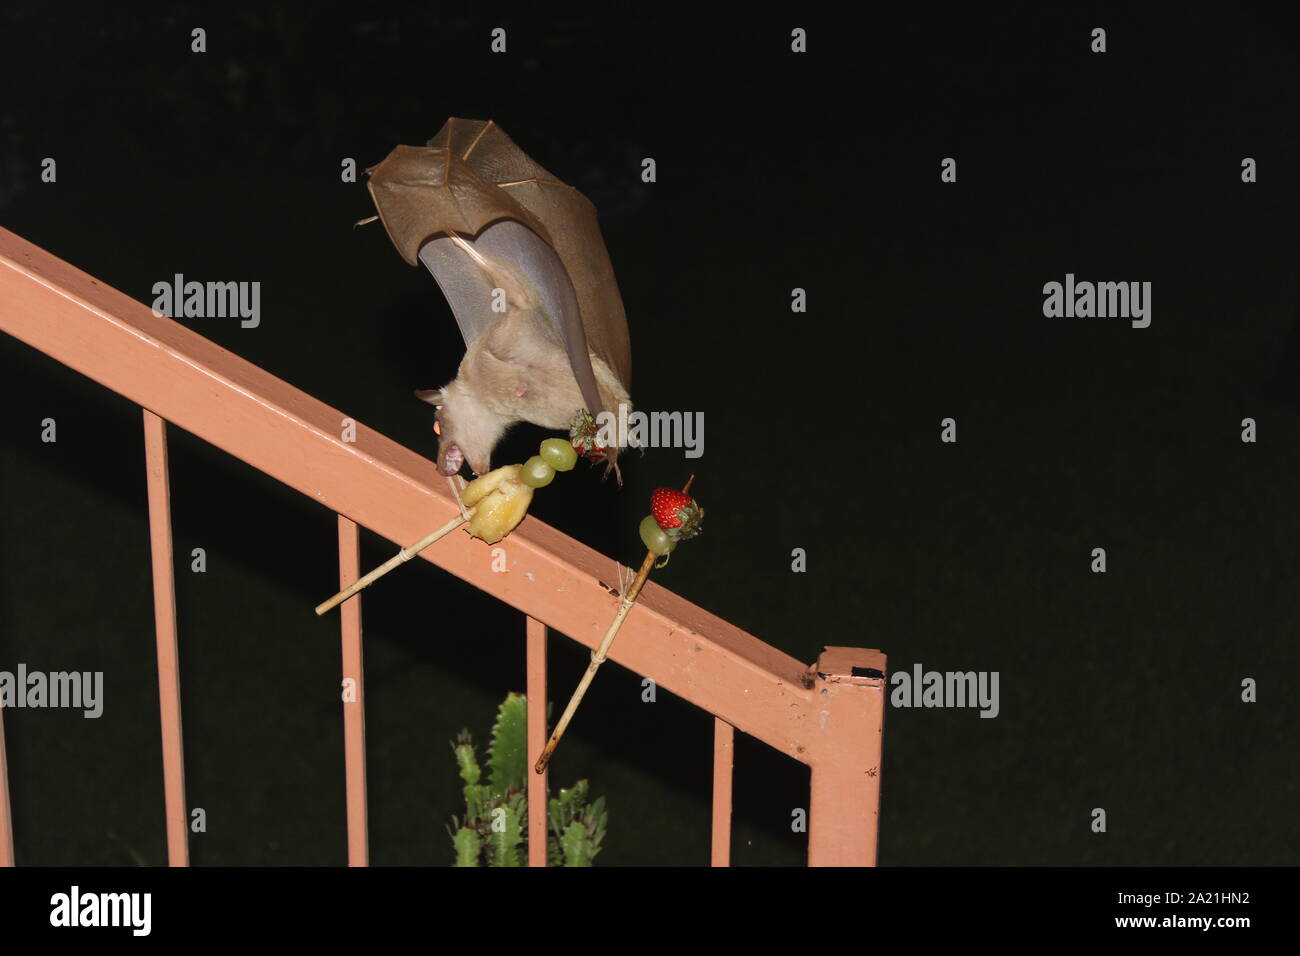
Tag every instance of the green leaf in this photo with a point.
(505, 835)
(557, 823)
(463, 748)
(478, 799)
(508, 753)
(466, 842)
(595, 818)
(577, 845)
(578, 828)
(560, 815)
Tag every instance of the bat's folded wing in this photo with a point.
(482, 215)
(422, 191)
(511, 257)
(568, 223)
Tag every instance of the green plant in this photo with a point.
(494, 829)
(578, 827)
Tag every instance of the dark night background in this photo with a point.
(775, 171)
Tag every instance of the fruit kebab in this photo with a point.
(492, 505)
(674, 516)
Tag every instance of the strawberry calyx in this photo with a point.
(582, 435)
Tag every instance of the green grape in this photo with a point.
(654, 537)
(536, 473)
(559, 454)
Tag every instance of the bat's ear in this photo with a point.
(433, 396)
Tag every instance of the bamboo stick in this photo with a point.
(401, 557)
(598, 655)
(597, 658)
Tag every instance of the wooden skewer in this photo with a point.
(597, 658)
(401, 557)
(457, 486)
(598, 655)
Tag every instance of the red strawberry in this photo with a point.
(676, 512)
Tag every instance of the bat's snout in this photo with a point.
(450, 458)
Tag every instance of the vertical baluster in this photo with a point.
(354, 699)
(6, 822)
(164, 605)
(537, 735)
(724, 740)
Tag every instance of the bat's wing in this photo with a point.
(424, 191)
(569, 224)
(508, 256)
(480, 214)
(424, 196)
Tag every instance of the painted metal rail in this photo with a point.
(827, 715)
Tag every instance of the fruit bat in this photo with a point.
(519, 256)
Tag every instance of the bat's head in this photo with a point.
(467, 429)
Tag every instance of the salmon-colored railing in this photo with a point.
(828, 715)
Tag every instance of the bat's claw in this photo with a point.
(618, 474)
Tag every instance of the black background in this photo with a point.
(775, 171)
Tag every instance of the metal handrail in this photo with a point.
(827, 716)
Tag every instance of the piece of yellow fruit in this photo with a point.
(500, 500)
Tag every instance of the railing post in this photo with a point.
(164, 605)
(6, 821)
(354, 697)
(537, 735)
(849, 694)
(724, 748)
